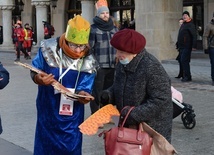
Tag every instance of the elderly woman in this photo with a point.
(65, 59)
(140, 81)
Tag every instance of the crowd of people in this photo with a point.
(22, 39)
(102, 64)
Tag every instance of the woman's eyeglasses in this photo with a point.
(74, 46)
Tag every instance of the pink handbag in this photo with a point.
(127, 141)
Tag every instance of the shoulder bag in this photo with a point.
(127, 141)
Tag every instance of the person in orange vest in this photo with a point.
(28, 39)
(20, 34)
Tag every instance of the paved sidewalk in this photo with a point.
(8, 148)
(18, 111)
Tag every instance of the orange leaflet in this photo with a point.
(102, 116)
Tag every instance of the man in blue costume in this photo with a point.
(66, 60)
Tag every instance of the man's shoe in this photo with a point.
(17, 59)
(186, 79)
(178, 77)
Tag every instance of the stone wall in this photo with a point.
(158, 22)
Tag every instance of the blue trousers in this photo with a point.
(185, 61)
(211, 55)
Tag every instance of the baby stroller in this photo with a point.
(188, 115)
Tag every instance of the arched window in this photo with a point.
(74, 8)
(125, 10)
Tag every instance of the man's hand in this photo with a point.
(44, 79)
(85, 100)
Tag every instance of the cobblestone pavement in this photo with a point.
(18, 111)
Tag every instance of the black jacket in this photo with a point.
(187, 37)
(4, 76)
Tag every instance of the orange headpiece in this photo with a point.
(101, 3)
(101, 6)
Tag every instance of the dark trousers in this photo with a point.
(185, 62)
(104, 79)
(211, 55)
(20, 48)
(180, 74)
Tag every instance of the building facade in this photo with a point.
(157, 20)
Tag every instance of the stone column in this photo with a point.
(88, 7)
(41, 14)
(158, 22)
(7, 7)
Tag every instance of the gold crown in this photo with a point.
(78, 30)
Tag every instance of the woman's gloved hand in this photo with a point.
(129, 120)
(44, 79)
(104, 98)
(86, 99)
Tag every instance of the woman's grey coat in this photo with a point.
(144, 83)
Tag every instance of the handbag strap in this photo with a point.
(124, 120)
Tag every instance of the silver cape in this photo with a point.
(52, 57)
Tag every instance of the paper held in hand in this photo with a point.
(102, 116)
(58, 86)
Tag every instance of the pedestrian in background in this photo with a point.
(101, 33)
(178, 58)
(140, 82)
(187, 41)
(20, 35)
(67, 60)
(46, 30)
(4, 80)
(208, 44)
(28, 39)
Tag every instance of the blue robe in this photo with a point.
(59, 134)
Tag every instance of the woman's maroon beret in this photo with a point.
(128, 40)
